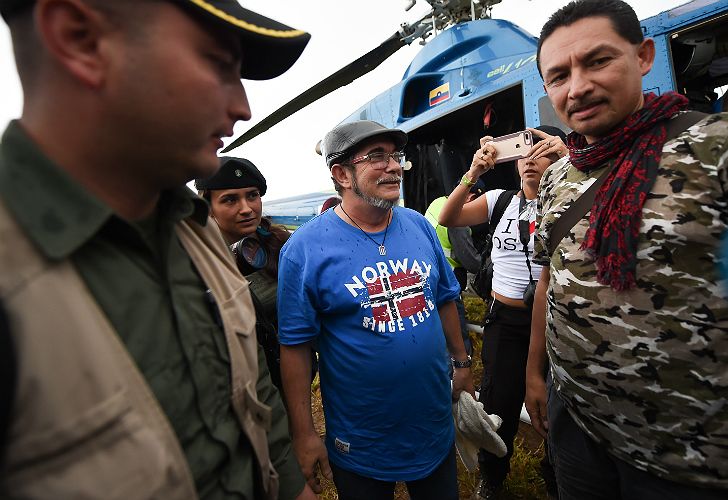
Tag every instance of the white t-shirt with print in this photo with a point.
(510, 273)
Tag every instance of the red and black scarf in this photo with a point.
(614, 223)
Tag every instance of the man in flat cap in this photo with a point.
(368, 281)
(138, 373)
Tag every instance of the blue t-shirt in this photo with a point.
(383, 357)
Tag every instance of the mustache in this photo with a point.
(583, 104)
(391, 178)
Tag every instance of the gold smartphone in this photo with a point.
(512, 146)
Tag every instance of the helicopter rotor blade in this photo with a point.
(340, 78)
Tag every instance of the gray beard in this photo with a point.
(372, 200)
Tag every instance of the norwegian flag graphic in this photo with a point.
(396, 296)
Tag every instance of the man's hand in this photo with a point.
(462, 380)
(312, 457)
(307, 494)
(536, 403)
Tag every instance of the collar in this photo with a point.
(58, 214)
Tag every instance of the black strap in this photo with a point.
(575, 212)
(675, 126)
(501, 203)
(504, 199)
(524, 233)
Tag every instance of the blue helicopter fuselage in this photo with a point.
(474, 60)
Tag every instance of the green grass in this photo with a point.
(524, 481)
(474, 308)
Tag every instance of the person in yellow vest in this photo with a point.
(461, 254)
(138, 371)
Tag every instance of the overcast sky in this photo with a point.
(341, 30)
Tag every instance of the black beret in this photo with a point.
(234, 173)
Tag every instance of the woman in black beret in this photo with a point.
(234, 194)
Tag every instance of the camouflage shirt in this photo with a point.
(645, 372)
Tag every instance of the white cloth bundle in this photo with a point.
(475, 429)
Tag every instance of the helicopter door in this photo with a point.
(700, 64)
(441, 151)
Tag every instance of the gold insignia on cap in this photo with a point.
(246, 25)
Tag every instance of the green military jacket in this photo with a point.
(118, 398)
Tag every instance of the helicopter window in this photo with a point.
(415, 99)
(700, 64)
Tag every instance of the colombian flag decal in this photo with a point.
(440, 94)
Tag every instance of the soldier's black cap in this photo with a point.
(269, 47)
(234, 173)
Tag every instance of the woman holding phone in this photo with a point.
(508, 322)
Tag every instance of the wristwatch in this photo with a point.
(462, 364)
(466, 181)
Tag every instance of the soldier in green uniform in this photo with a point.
(635, 319)
(139, 375)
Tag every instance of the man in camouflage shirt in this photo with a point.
(636, 320)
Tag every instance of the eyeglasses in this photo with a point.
(380, 160)
(250, 250)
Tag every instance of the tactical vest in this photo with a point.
(85, 423)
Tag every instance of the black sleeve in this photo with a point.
(8, 378)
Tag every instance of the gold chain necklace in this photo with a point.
(382, 248)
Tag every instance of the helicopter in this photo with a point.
(477, 76)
